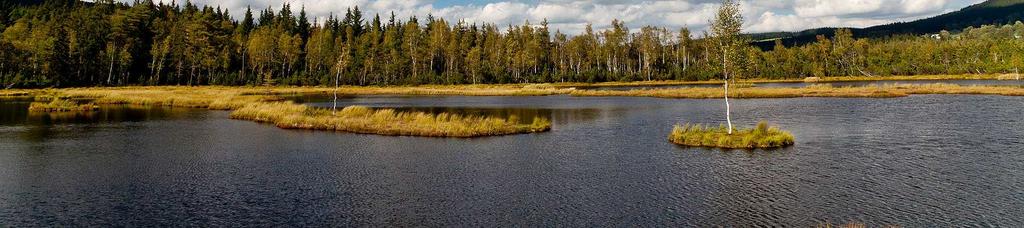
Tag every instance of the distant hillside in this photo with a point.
(985, 13)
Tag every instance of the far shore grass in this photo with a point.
(937, 78)
(882, 91)
(760, 137)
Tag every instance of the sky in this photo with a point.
(572, 16)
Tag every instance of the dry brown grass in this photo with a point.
(359, 119)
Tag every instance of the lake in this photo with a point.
(923, 160)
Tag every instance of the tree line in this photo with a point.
(64, 43)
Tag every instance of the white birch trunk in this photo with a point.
(728, 117)
(725, 73)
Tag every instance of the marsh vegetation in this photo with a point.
(761, 136)
(60, 105)
(359, 119)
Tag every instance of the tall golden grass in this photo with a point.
(60, 105)
(358, 119)
(761, 136)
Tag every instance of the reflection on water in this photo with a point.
(39, 126)
(16, 113)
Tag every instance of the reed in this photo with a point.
(358, 119)
(761, 136)
(60, 105)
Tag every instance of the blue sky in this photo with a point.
(571, 16)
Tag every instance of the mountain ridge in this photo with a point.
(985, 13)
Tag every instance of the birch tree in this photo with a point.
(725, 29)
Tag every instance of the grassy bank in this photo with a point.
(912, 78)
(6, 95)
(883, 91)
(761, 136)
(60, 105)
(359, 119)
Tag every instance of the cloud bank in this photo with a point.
(571, 16)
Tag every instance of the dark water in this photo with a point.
(919, 161)
(835, 84)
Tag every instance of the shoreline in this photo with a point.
(234, 97)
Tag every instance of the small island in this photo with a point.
(364, 120)
(60, 105)
(760, 137)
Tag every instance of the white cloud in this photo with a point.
(571, 16)
(821, 8)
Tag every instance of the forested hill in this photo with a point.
(65, 43)
(986, 13)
